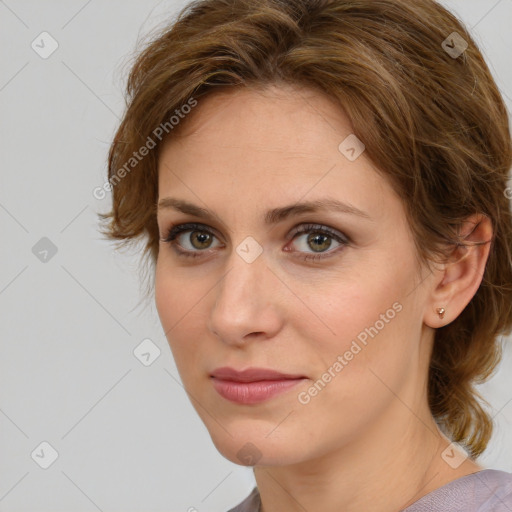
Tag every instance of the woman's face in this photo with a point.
(348, 322)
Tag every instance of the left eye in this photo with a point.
(319, 238)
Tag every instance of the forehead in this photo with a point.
(272, 146)
(276, 116)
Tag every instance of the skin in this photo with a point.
(367, 440)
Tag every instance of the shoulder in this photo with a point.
(488, 490)
(250, 504)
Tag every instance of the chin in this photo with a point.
(249, 446)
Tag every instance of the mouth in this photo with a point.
(253, 385)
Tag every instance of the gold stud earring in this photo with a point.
(440, 312)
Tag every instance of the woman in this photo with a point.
(321, 186)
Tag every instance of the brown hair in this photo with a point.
(433, 122)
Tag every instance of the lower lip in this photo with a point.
(252, 392)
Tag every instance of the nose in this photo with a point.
(247, 302)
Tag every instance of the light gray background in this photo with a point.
(126, 434)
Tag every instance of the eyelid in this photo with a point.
(307, 227)
(300, 229)
(177, 229)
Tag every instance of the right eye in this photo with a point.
(199, 239)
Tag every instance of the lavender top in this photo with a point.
(488, 490)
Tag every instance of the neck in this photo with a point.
(386, 469)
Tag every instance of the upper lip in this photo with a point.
(251, 374)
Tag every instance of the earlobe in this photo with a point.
(441, 312)
(462, 274)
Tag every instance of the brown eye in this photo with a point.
(189, 239)
(202, 238)
(319, 239)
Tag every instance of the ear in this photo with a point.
(459, 279)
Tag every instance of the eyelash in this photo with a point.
(176, 230)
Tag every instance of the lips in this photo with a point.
(253, 385)
(252, 374)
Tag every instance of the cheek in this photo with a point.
(356, 368)
(174, 293)
(178, 308)
(365, 321)
(165, 297)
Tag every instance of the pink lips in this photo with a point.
(253, 385)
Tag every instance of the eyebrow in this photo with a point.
(272, 216)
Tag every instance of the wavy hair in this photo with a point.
(426, 107)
